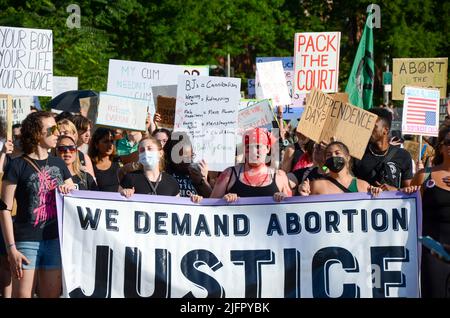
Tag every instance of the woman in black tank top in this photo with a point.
(252, 178)
(435, 181)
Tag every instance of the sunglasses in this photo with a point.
(52, 130)
(64, 149)
(446, 142)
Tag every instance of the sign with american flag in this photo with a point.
(420, 111)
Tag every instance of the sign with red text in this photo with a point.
(122, 112)
(273, 82)
(316, 61)
(420, 111)
(26, 61)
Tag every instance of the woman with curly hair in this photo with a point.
(435, 189)
(32, 242)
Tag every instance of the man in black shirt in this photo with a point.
(384, 165)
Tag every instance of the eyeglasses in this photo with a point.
(53, 130)
(446, 142)
(64, 149)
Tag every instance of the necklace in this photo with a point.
(34, 163)
(377, 155)
(255, 185)
(154, 187)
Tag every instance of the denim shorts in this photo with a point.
(41, 254)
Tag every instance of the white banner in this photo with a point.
(347, 245)
(63, 84)
(122, 112)
(207, 110)
(26, 61)
(316, 61)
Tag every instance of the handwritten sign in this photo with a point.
(63, 84)
(135, 79)
(273, 82)
(419, 72)
(26, 61)
(420, 111)
(21, 108)
(316, 61)
(207, 110)
(325, 117)
(258, 114)
(122, 112)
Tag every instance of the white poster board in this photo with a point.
(63, 84)
(122, 112)
(207, 110)
(420, 111)
(273, 83)
(135, 79)
(316, 61)
(21, 108)
(26, 61)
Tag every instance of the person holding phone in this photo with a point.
(435, 186)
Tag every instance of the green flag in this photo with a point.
(360, 82)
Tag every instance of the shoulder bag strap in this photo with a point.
(337, 184)
(31, 162)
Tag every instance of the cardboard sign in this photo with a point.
(21, 108)
(341, 97)
(273, 82)
(165, 106)
(26, 61)
(122, 112)
(420, 111)
(419, 72)
(325, 117)
(207, 110)
(316, 61)
(89, 107)
(63, 84)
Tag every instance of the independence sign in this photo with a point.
(330, 246)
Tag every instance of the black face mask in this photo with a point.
(335, 164)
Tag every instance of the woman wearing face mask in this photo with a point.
(339, 178)
(253, 178)
(151, 179)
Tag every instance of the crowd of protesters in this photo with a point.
(65, 152)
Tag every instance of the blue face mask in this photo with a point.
(149, 159)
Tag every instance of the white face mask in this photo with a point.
(149, 159)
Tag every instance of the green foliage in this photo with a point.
(197, 32)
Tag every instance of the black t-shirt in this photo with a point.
(35, 195)
(87, 182)
(185, 183)
(393, 172)
(167, 186)
(108, 180)
(313, 174)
